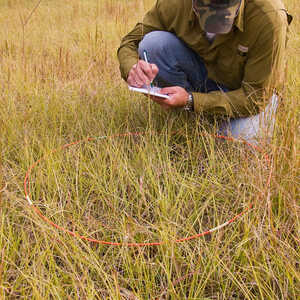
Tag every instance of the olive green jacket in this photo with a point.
(249, 60)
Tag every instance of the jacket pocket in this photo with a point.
(231, 66)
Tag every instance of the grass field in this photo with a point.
(60, 83)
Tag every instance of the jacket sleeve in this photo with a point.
(128, 50)
(264, 71)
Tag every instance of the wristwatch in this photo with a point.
(190, 103)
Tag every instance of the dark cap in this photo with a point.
(216, 16)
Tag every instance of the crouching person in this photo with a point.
(222, 57)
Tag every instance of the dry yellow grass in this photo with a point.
(60, 82)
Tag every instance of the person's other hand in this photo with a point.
(178, 97)
(141, 74)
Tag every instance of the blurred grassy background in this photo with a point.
(59, 83)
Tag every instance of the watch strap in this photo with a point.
(190, 103)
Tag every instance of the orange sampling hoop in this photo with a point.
(179, 240)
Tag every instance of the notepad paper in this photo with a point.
(153, 91)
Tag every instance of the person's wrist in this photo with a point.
(189, 106)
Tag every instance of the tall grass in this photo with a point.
(60, 83)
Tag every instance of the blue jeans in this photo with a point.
(178, 65)
(181, 66)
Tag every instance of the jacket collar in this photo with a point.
(239, 20)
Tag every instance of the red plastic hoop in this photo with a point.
(180, 240)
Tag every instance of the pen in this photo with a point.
(146, 60)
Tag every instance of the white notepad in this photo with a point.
(154, 91)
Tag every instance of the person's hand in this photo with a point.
(178, 97)
(141, 74)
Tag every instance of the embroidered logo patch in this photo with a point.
(242, 50)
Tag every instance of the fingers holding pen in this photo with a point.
(146, 72)
(135, 77)
(142, 73)
(154, 70)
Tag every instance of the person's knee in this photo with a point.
(156, 42)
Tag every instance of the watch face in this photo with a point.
(190, 104)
